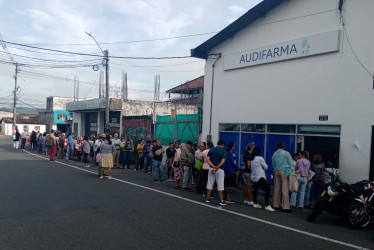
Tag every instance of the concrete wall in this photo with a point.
(298, 91)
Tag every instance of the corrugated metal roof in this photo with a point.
(252, 15)
(197, 83)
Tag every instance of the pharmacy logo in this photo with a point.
(305, 47)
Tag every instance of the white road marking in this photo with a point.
(216, 208)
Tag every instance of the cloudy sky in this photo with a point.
(119, 26)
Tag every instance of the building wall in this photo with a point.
(298, 91)
(29, 128)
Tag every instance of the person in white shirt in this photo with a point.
(258, 177)
(23, 137)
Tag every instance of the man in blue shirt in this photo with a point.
(70, 149)
(216, 158)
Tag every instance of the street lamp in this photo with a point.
(106, 58)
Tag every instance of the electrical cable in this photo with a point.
(126, 42)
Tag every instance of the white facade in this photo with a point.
(8, 130)
(298, 91)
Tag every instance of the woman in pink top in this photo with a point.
(205, 169)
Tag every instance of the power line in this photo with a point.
(93, 55)
(48, 60)
(126, 42)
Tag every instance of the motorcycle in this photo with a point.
(360, 212)
(337, 196)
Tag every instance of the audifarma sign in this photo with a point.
(302, 47)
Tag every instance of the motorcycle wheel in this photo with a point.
(319, 207)
(358, 215)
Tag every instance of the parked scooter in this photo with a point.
(360, 212)
(337, 195)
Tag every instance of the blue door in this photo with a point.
(271, 147)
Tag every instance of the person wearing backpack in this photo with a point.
(15, 138)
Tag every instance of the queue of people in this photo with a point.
(202, 165)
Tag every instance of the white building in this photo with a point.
(26, 123)
(291, 71)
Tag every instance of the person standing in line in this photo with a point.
(157, 161)
(146, 148)
(258, 177)
(230, 168)
(150, 155)
(319, 170)
(247, 158)
(107, 149)
(44, 141)
(302, 167)
(282, 164)
(86, 151)
(40, 146)
(140, 161)
(15, 138)
(308, 186)
(117, 143)
(216, 158)
(177, 167)
(199, 173)
(97, 151)
(170, 154)
(128, 149)
(187, 160)
(33, 140)
(205, 169)
(70, 149)
(52, 144)
(61, 146)
(23, 137)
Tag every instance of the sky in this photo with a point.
(119, 26)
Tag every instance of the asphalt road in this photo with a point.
(49, 205)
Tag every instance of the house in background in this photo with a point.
(26, 123)
(56, 116)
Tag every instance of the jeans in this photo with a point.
(186, 177)
(157, 166)
(299, 195)
(40, 147)
(145, 168)
(307, 195)
(126, 159)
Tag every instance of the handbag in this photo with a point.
(310, 175)
(98, 157)
(293, 181)
(29, 139)
(199, 165)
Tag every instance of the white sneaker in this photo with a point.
(245, 202)
(257, 206)
(101, 177)
(269, 208)
(250, 203)
(109, 177)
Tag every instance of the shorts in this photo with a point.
(247, 179)
(218, 177)
(178, 173)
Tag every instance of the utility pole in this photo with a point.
(106, 59)
(15, 97)
(107, 126)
